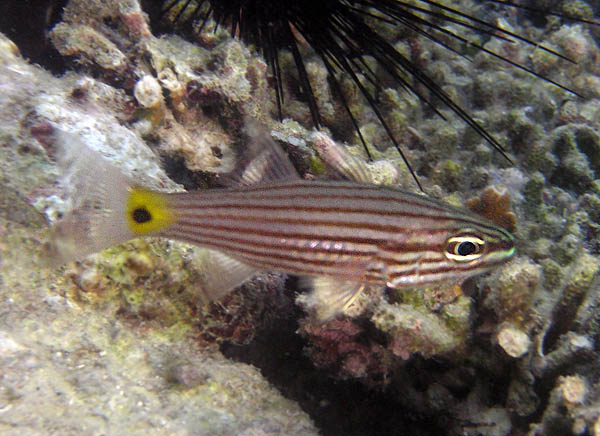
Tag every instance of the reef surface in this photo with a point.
(120, 343)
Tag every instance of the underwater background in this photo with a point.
(121, 344)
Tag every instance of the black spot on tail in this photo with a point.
(141, 215)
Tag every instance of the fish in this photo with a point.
(339, 235)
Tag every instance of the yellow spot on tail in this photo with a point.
(148, 211)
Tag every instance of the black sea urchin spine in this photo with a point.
(338, 31)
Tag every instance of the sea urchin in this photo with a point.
(340, 33)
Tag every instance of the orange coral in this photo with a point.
(494, 204)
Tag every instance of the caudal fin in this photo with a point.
(98, 193)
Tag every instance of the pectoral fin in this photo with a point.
(329, 296)
(222, 274)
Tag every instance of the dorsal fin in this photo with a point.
(339, 159)
(263, 161)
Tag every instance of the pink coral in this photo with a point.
(344, 345)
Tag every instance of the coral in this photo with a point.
(573, 171)
(175, 90)
(197, 93)
(416, 331)
(533, 193)
(431, 322)
(563, 329)
(345, 348)
(511, 290)
(569, 392)
(578, 282)
(448, 174)
(553, 273)
(203, 145)
(147, 92)
(510, 353)
(522, 129)
(142, 286)
(513, 341)
(574, 389)
(67, 359)
(90, 47)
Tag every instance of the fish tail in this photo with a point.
(99, 195)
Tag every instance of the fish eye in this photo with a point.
(141, 215)
(464, 247)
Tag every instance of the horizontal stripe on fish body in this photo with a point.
(331, 202)
(333, 197)
(359, 232)
(265, 256)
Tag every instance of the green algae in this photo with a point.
(317, 166)
(581, 275)
(533, 193)
(449, 174)
(553, 273)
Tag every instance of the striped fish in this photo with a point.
(344, 234)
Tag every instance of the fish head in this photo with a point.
(473, 250)
(465, 248)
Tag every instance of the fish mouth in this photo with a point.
(508, 247)
(501, 254)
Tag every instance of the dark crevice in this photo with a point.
(177, 171)
(27, 23)
(338, 407)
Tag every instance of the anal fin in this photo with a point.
(222, 274)
(330, 296)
